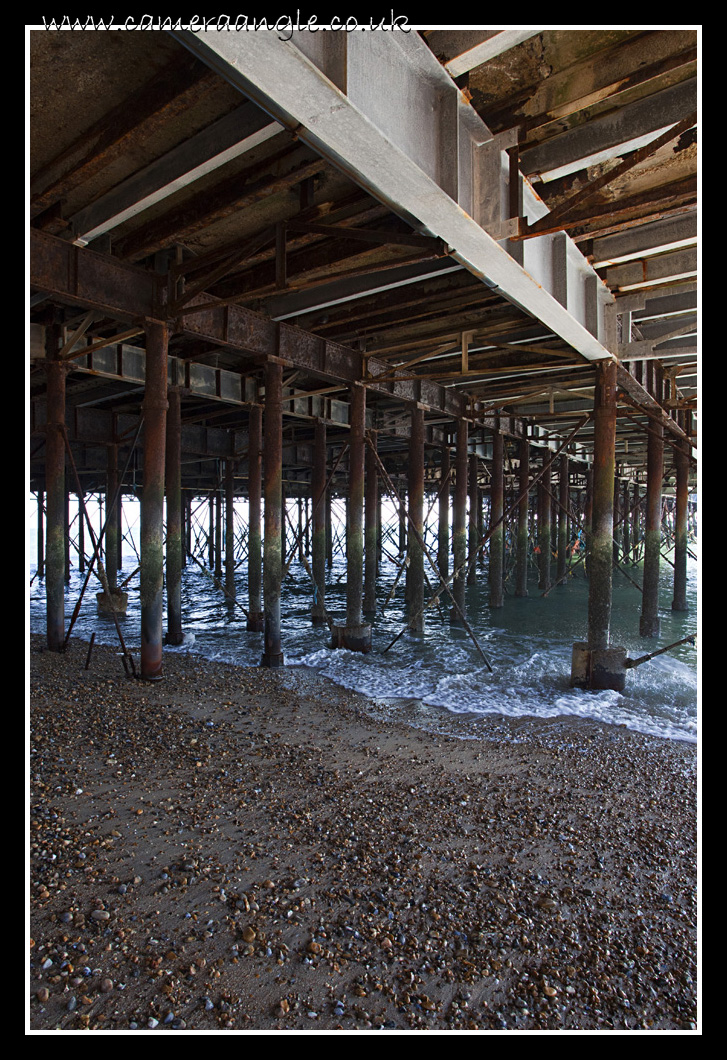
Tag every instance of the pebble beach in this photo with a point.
(244, 850)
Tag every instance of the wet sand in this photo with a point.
(238, 849)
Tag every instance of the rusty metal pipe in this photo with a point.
(497, 509)
(371, 527)
(255, 622)
(55, 479)
(521, 557)
(173, 486)
(273, 541)
(354, 510)
(416, 520)
(459, 517)
(601, 536)
(679, 602)
(152, 500)
(649, 621)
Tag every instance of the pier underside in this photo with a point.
(449, 268)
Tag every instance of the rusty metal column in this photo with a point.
(272, 553)
(67, 535)
(81, 537)
(473, 522)
(649, 622)
(41, 536)
(679, 602)
(211, 534)
(329, 527)
(595, 664)
(601, 545)
(173, 487)
(443, 525)
(218, 531)
(319, 499)
(255, 617)
(55, 481)
(617, 527)
(112, 522)
(152, 501)
(588, 521)
(626, 537)
(459, 523)
(355, 635)
(230, 529)
(416, 526)
(544, 527)
(497, 510)
(371, 527)
(563, 498)
(521, 558)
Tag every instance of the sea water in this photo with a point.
(426, 679)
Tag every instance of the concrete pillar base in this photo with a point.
(648, 627)
(454, 619)
(255, 622)
(115, 601)
(319, 620)
(355, 638)
(598, 668)
(272, 661)
(174, 639)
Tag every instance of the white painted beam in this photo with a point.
(358, 132)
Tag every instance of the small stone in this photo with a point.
(249, 934)
(100, 914)
(106, 986)
(43, 994)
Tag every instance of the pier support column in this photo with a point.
(319, 502)
(173, 487)
(521, 557)
(594, 664)
(115, 600)
(475, 515)
(497, 509)
(679, 602)
(152, 501)
(81, 535)
(272, 554)
(55, 480)
(230, 529)
(443, 514)
(211, 535)
(416, 525)
(355, 635)
(273, 542)
(371, 527)
(626, 526)
(218, 532)
(649, 622)
(563, 499)
(459, 523)
(41, 535)
(255, 617)
(544, 528)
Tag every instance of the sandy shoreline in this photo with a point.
(237, 849)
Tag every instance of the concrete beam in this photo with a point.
(400, 129)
